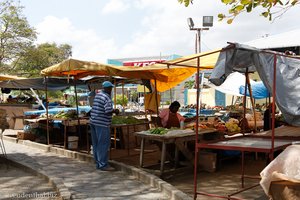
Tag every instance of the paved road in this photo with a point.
(80, 179)
(16, 183)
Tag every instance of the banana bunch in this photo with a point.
(158, 131)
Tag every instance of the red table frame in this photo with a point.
(255, 144)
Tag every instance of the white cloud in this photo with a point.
(115, 6)
(165, 29)
(87, 45)
(161, 28)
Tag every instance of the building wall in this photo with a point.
(208, 97)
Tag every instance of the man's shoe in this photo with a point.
(108, 169)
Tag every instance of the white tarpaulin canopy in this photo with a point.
(242, 58)
(231, 85)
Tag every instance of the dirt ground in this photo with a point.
(224, 181)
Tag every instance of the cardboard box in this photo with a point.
(207, 161)
(25, 136)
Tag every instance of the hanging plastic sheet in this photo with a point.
(259, 90)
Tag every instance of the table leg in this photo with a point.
(87, 139)
(142, 152)
(243, 168)
(185, 151)
(115, 137)
(65, 136)
(127, 140)
(163, 157)
(176, 156)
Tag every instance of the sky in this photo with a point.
(99, 30)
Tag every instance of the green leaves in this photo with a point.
(229, 21)
(239, 6)
(294, 2)
(186, 2)
(16, 35)
(246, 2)
(38, 57)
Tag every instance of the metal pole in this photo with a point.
(196, 130)
(47, 112)
(199, 40)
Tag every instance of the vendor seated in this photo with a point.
(170, 117)
(10, 99)
(268, 118)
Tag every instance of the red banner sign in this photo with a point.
(142, 63)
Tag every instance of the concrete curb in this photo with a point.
(151, 180)
(139, 174)
(55, 182)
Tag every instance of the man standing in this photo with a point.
(100, 121)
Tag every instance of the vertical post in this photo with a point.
(77, 111)
(273, 106)
(47, 113)
(252, 102)
(123, 100)
(196, 129)
(201, 90)
(146, 116)
(244, 102)
(115, 94)
(199, 40)
(156, 100)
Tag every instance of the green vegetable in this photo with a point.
(158, 131)
(125, 120)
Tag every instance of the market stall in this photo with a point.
(173, 136)
(162, 76)
(245, 59)
(276, 71)
(16, 109)
(11, 110)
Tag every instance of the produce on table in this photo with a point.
(158, 131)
(233, 126)
(70, 114)
(220, 127)
(125, 120)
(44, 115)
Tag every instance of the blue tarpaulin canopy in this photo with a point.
(259, 90)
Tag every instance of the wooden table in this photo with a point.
(66, 123)
(74, 122)
(177, 137)
(127, 126)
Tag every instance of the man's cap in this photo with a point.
(107, 84)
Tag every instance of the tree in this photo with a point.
(41, 56)
(239, 6)
(189, 84)
(16, 35)
(121, 100)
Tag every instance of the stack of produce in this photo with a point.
(70, 114)
(125, 120)
(44, 115)
(158, 131)
(251, 122)
(232, 126)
